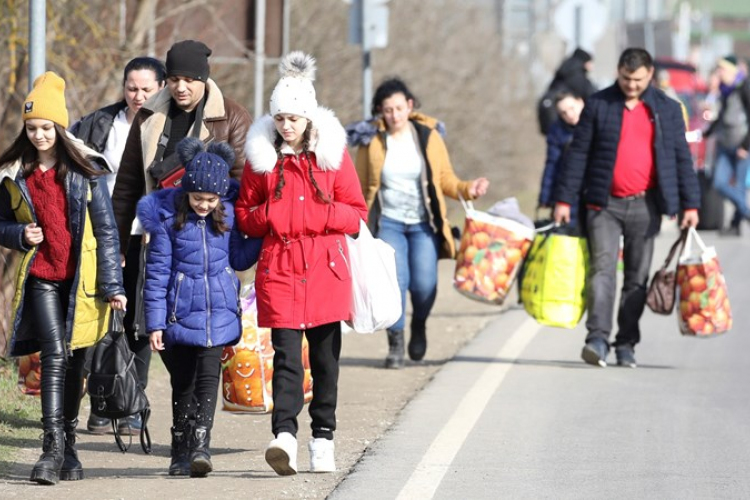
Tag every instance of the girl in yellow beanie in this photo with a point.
(55, 209)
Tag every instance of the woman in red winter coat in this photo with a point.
(300, 193)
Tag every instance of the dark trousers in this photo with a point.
(288, 378)
(194, 374)
(62, 376)
(134, 322)
(637, 221)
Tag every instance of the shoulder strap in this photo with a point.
(198, 123)
(163, 139)
(673, 251)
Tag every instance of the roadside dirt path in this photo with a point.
(370, 399)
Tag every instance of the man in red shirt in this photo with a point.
(630, 162)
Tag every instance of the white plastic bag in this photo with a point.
(376, 297)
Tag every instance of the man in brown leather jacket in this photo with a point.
(191, 104)
(189, 93)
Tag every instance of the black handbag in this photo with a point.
(113, 383)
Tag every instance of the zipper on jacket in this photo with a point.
(236, 291)
(139, 305)
(173, 317)
(343, 256)
(202, 225)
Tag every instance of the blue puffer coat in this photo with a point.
(590, 160)
(191, 291)
(558, 139)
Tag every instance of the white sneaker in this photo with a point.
(281, 454)
(321, 455)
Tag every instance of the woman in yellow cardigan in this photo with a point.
(405, 172)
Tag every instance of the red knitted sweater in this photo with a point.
(54, 258)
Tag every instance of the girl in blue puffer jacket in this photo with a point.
(191, 292)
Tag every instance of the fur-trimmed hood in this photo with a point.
(328, 142)
(158, 206)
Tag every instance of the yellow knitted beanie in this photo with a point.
(47, 100)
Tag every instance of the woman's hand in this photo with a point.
(478, 187)
(118, 302)
(155, 341)
(33, 234)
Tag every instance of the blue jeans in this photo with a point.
(727, 167)
(637, 222)
(416, 248)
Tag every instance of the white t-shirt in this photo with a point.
(113, 150)
(115, 146)
(401, 180)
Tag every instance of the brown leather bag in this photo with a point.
(660, 297)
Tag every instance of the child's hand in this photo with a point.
(155, 341)
(32, 234)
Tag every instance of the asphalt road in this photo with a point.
(511, 412)
(516, 414)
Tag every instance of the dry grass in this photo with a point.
(19, 417)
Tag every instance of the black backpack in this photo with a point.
(113, 383)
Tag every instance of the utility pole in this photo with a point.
(260, 55)
(37, 39)
(368, 26)
(366, 58)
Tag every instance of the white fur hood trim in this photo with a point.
(328, 142)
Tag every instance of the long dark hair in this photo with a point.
(278, 141)
(218, 215)
(68, 156)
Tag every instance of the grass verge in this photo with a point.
(19, 418)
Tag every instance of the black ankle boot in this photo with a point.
(47, 468)
(395, 358)
(71, 470)
(200, 457)
(180, 464)
(418, 339)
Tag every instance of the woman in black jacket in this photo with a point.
(55, 209)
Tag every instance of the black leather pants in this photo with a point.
(62, 376)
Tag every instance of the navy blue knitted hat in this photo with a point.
(206, 170)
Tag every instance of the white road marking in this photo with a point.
(426, 478)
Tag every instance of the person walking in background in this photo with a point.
(191, 293)
(732, 140)
(300, 193)
(571, 76)
(405, 174)
(559, 137)
(53, 204)
(106, 130)
(630, 162)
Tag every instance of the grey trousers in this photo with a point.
(638, 222)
